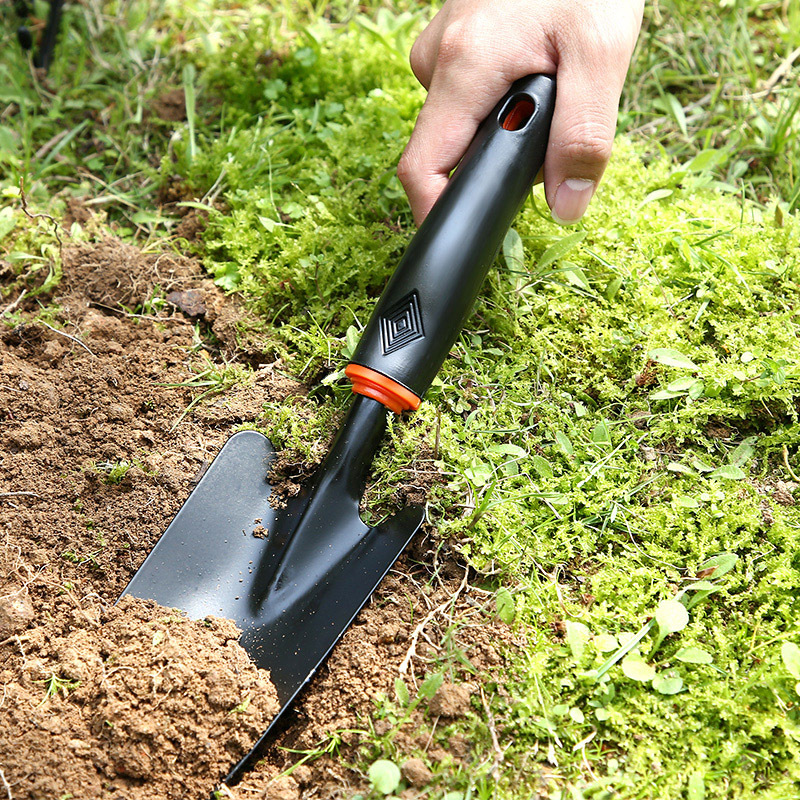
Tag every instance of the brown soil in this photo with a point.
(95, 458)
(127, 701)
(169, 106)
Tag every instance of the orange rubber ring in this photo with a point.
(390, 393)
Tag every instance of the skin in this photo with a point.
(473, 50)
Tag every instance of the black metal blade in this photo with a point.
(296, 591)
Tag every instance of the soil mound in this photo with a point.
(134, 701)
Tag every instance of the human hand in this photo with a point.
(473, 50)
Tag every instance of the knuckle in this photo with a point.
(585, 145)
(406, 171)
(459, 42)
(417, 58)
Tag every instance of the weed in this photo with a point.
(80, 559)
(55, 685)
(114, 472)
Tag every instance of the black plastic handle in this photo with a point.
(427, 300)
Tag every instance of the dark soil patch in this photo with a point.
(169, 106)
(95, 459)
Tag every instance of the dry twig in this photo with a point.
(412, 650)
(6, 784)
(69, 336)
(13, 305)
(787, 465)
(28, 214)
(498, 752)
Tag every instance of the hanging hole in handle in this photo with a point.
(517, 113)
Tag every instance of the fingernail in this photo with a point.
(572, 200)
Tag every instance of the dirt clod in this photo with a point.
(416, 772)
(189, 301)
(282, 788)
(783, 493)
(16, 612)
(451, 700)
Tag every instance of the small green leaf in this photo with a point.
(601, 434)
(702, 586)
(664, 684)
(479, 473)
(576, 715)
(558, 250)
(728, 472)
(430, 685)
(506, 607)
(635, 668)
(384, 776)
(612, 288)
(706, 159)
(577, 636)
(675, 466)
(701, 466)
(564, 444)
(720, 564)
(601, 714)
(7, 222)
(574, 275)
(696, 788)
(513, 251)
(542, 467)
(790, 653)
(693, 655)
(665, 394)
(671, 616)
(401, 690)
(671, 358)
(678, 113)
(684, 501)
(744, 452)
(681, 384)
(657, 194)
(605, 642)
(507, 449)
(696, 390)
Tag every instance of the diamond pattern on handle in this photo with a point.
(401, 324)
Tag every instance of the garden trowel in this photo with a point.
(296, 587)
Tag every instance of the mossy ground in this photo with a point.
(621, 407)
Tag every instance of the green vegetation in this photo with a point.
(617, 428)
(55, 685)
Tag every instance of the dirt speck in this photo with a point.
(170, 106)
